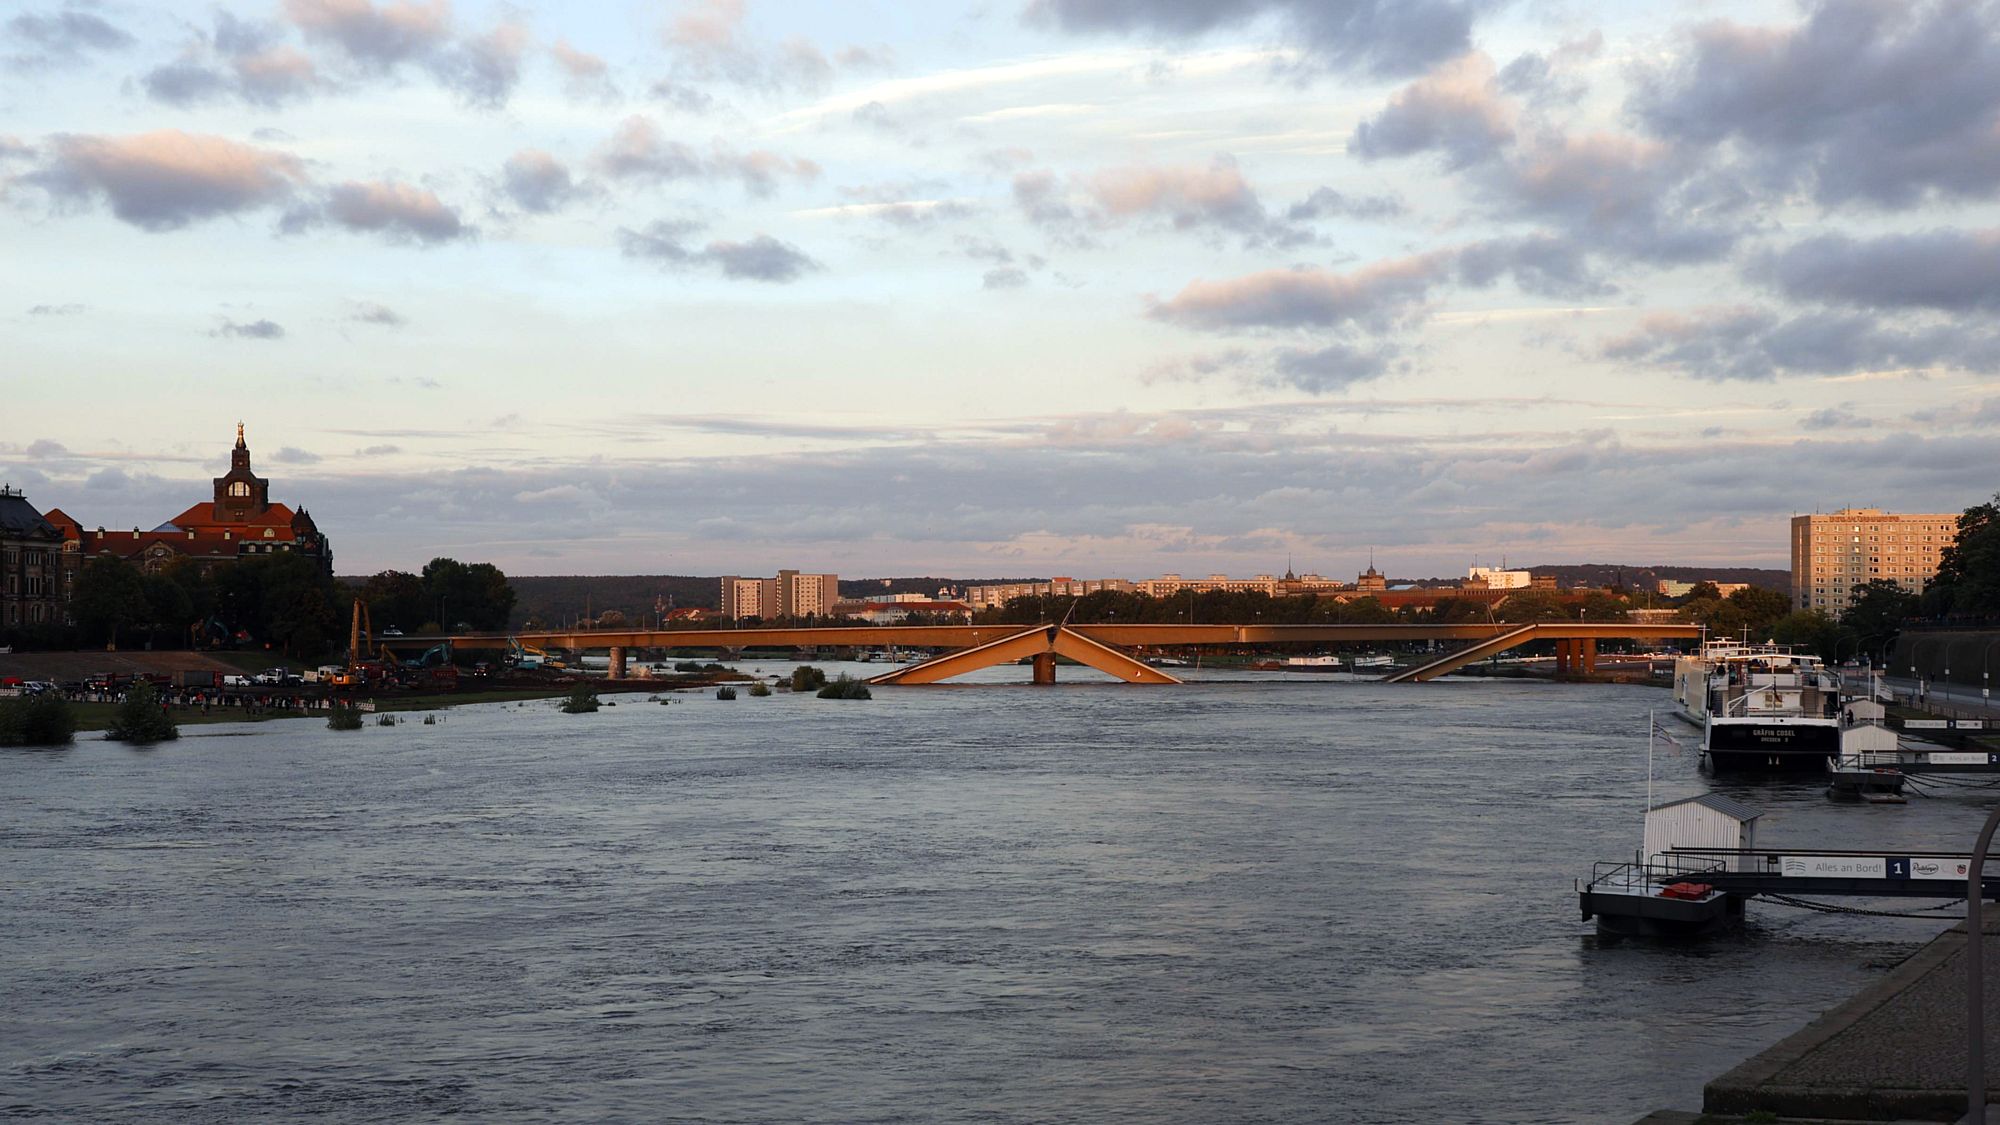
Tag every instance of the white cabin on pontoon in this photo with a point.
(1708, 821)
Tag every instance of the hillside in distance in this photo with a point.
(1648, 577)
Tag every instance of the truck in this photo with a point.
(199, 679)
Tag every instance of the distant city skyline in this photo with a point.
(1024, 288)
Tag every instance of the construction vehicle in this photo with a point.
(524, 655)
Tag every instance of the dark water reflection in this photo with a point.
(1240, 900)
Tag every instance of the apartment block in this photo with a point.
(790, 594)
(1835, 555)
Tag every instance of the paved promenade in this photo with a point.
(1894, 1052)
(1956, 700)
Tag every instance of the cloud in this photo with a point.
(292, 455)
(761, 258)
(1326, 203)
(1456, 109)
(377, 38)
(167, 179)
(55, 310)
(240, 58)
(1744, 343)
(538, 182)
(587, 74)
(370, 312)
(579, 65)
(638, 150)
(379, 450)
(1541, 263)
(1004, 277)
(1834, 418)
(681, 96)
(1861, 102)
(484, 69)
(710, 44)
(63, 37)
(1335, 367)
(1630, 197)
(1947, 269)
(1215, 197)
(398, 212)
(254, 330)
(1380, 36)
(1373, 297)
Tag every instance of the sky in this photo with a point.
(1005, 288)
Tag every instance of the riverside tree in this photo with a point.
(36, 720)
(1967, 583)
(141, 718)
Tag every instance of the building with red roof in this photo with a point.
(239, 521)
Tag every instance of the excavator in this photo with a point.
(432, 667)
(524, 655)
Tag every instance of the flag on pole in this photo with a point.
(1665, 736)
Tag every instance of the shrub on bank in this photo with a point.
(36, 720)
(582, 700)
(760, 689)
(805, 677)
(725, 692)
(846, 687)
(343, 717)
(141, 719)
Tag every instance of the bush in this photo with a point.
(687, 666)
(37, 720)
(760, 689)
(846, 687)
(140, 718)
(343, 716)
(805, 677)
(385, 720)
(582, 700)
(725, 692)
(430, 720)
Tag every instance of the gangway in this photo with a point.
(1691, 890)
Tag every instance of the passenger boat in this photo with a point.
(1760, 707)
(1313, 664)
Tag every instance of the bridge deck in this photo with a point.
(1125, 636)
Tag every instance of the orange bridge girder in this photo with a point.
(1106, 637)
(1037, 641)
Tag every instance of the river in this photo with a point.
(1249, 898)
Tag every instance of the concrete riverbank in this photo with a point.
(1893, 1052)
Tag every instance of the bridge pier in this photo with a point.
(617, 670)
(1045, 668)
(1564, 658)
(1588, 657)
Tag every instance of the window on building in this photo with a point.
(238, 488)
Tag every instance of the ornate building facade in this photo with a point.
(33, 579)
(239, 521)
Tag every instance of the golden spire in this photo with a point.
(239, 434)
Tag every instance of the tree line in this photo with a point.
(285, 602)
(446, 596)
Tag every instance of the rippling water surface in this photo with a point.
(1244, 899)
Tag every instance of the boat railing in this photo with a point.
(1867, 760)
(1632, 877)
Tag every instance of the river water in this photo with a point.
(1250, 898)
